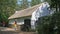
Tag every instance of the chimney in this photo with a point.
(16, 11)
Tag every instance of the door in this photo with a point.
(27, 24)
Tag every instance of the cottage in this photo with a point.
(23, 17)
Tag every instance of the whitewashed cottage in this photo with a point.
(29, 15)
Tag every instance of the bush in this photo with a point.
(49, 24)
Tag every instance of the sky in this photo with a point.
(21, 0)
(18, 2)
(29, 0)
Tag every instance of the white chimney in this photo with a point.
(16, 11)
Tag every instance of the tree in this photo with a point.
(7, 8)
(35, 2)
(24, 4)
(56, 4)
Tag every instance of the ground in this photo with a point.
(4, 30)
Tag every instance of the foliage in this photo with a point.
(43, 25)
(7, 8)
(35, 2)
(48, 24)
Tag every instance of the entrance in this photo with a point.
(27, 25)
(27, 22)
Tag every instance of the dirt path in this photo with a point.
(4, 30)
(11, 32)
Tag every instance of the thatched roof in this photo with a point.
(24, 13)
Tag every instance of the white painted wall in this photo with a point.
(19, 21)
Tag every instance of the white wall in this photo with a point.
(19, 21)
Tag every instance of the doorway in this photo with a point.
(27, 25)
(27, 22)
